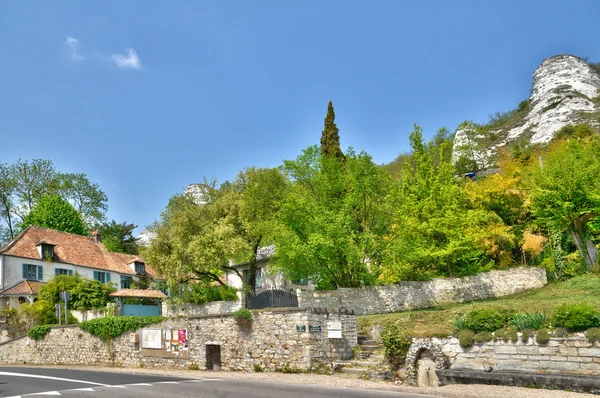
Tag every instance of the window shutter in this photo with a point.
(40, 273)
(56, 271)
(70, 272)
(96, 275)
(108, 277)
(24, 271)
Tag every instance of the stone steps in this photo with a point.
(369, 362)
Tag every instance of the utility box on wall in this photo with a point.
(134, 338)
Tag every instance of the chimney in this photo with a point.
(96, 236)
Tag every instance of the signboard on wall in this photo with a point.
(152, 338)
(334, 330)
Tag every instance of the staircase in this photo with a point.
(368, 363)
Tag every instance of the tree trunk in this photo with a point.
(252, 268)
(587, 249)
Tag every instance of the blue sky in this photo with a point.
(146, 97)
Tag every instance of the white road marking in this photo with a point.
(140, 384)
(51, 378)
(47, 393)
(212, 379)
(89, 389)
(167, 382)
(116, 386)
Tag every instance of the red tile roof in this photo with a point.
(138, 293)
(25, 287)
(72, 249)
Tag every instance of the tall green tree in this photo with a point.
(7, 202)
(118, 237)
(565, 193)
(33, 180)
(23, 183)
(435, 232)
(335, 218)
(86, 197)
(52, 211)
(330, 137)
(197, 241)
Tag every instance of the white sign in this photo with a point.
(151, 338)
(334, 330)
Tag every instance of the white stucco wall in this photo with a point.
(269, 281)
(12, 270)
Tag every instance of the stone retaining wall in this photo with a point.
(572, 355)
(276, 339)
(413, 295)
(215, 307)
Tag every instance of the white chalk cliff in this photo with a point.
(564, 89)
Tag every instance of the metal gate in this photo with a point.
(273, 298)
(140, 310)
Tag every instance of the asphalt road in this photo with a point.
(17, 382)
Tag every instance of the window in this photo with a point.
(140, 268)
(126, 282)
(300, 281)
(103, 277)
(33, 272)
(62, 271)
(47, 252)
(258, 277)
(22, 300)
(246, 276)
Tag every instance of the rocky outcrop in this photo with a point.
(563, 92)
(563, 88)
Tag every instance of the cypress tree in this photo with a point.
(330, 138)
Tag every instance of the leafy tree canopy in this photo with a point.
(118, 237)
(52, 211)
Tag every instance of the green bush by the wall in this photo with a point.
(38, 332)
(485, 319)
(111, 327)
(576, 316)
(466, 338)
(397, 341)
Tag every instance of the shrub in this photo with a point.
(561, 332)
(466, 338)
(199, 294)
(38, 332)
(257, 368)
(459, 323)
(194, 366)
(243, 317)
(111, 327)
(542, 336)
(529, 321)
(593, 335)
(526, 335)
(484, 319)
(576, 316)
(396, 341)
(507, 334)
(482, 337)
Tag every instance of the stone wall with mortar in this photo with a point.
(276, 339)
(572, 355)
(215, 307)
(414, 295)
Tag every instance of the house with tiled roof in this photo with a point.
(37, 254)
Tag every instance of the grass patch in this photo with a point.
(438, 321)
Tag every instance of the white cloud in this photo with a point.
(130, 60)
(73, 46)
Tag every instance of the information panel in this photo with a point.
(334, 330)
(152, 338)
